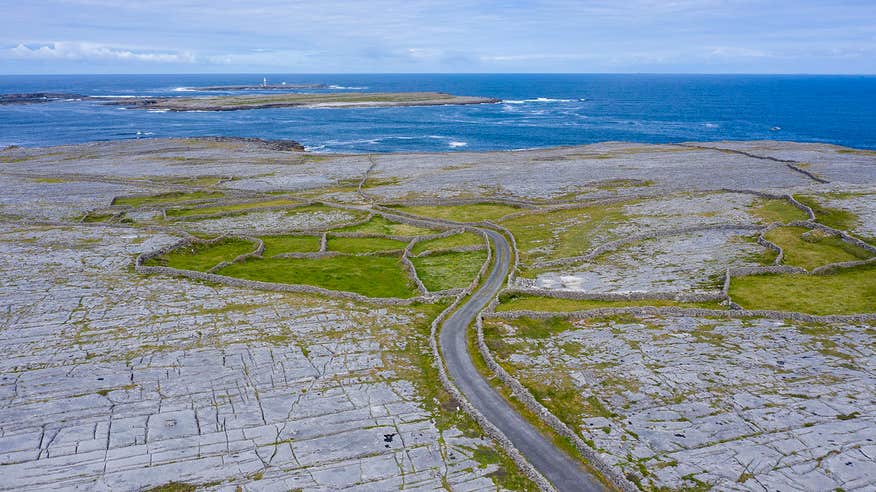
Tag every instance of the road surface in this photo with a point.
(564, 472)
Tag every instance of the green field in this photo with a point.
(275, 245)
(372, 276)
(836, 218)
(462, 213)
(202, 257)
(815, 249)
(561, 233)
(449, 270)
(449, 242)
(380, 225)
(847, 291)
(356, 245)
(774, 210)
(237, 207)
(166, 198)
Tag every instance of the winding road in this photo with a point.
(563, 471)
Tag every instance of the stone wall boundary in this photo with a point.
(833, 267)
(791, 164)
(642, 311)
(618, 296)
(411, 270)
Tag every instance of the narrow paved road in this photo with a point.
(564, 472)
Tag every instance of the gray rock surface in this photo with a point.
(112, 380)
(740, 405)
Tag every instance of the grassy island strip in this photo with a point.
(262, 101)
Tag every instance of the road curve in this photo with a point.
(564, 472)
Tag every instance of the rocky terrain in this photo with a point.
(695, 315)
(262, 101)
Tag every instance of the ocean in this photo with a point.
(537, 111)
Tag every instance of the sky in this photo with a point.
(418, 36)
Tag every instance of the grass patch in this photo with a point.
(810, 249)
(449, 242)
(380, 225)
(372, 276)
(50, 180)
(774, 210)
(561, 233)
(237, 207)
(614, 184)
(92, 217)
(831, 217)
(166, 198)
(363, 244)
(517, 302)
(558, 393)
(202, 257)
(276, 245)
(462, 213)
(541, 328)
(848, 291)
(449, 270)
(173, 487)
(857, 152)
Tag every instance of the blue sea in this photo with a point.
(537, 111)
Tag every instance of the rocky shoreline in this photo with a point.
(264, 101)
(258, 87)
(37, 97)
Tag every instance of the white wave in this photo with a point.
(711, 125)
(347, 88)
(157, 110)
(118, 97)
(539, 100)
(184, 89)
(456, 144)
(145, 133)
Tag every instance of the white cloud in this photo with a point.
(75, 50)
(738, 52)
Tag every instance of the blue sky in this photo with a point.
(374, 36)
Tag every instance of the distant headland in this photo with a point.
(262, 101)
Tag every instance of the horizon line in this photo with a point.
(816, 74)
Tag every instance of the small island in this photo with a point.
(262, 101)
(256, 87)
(37, 97)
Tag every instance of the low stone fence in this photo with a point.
(833, 267)
(680, 312)
(617, 296)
